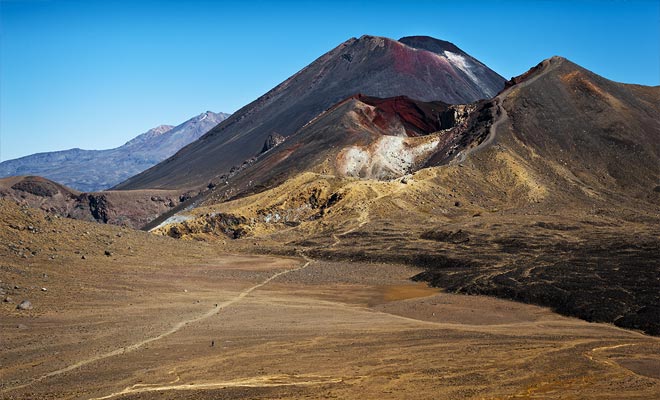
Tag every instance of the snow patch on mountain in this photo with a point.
(461, 63)
(467, 66)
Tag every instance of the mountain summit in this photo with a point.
(94, 170)
(480, 81)
(420, 68)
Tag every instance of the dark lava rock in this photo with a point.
(239, 233)
(273, 140)
(99, 206)
(459, 236)
(644, 319)
(107, 253)
(604, 279)
(556, 227)
(24, 305)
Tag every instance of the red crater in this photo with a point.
(419, 118)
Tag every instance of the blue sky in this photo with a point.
(93, 74)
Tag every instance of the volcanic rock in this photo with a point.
(24, 305)
(272, 141)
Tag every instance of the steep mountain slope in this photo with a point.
(600, 136)
(419, 67)
(94, 170)
(547, 193)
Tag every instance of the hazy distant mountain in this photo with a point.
(94, 170)
(419, 67)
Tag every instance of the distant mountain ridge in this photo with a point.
(149, 135)
(95, 170)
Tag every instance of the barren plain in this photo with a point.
(147, 317)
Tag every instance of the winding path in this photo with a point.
(502, 113)
(261, 381)
(177, 327)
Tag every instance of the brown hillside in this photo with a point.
(129, 208)
(546, 194)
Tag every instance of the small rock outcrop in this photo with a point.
(273, 140)
(24, 305)
(37, 186)
(98, 206)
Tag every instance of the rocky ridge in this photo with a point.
(96, 170)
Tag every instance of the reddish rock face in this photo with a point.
(418, 118)
(409, 62)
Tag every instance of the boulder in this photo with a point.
(24, 305)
